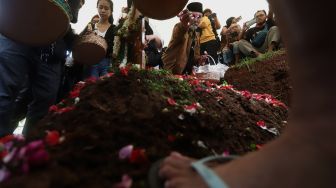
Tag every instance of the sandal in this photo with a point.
(210, 178)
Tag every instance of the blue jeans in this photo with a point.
(19, 65)
(100, 69)
(229, 54)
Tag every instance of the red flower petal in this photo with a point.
(7, 138)
(91, 80)
(66, 109)
(52, 138)
(138, 156)
(53, 108)
(124, 71)
(194, 82)
(74, 94)
(126, 182)
(171, 101)
(246, 94)
(261, 124)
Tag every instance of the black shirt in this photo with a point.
(251, 33)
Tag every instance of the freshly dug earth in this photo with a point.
(138, 108)
(270, 76)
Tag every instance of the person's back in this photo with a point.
(207, 33)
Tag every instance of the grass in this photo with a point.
(263, 57)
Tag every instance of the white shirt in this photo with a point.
(99, 33)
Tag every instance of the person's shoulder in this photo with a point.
(205, 19)
(270, 22)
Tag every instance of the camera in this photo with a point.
(213, 15)
(250, 22)
(234, 34)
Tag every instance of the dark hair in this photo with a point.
(260, 11)
(229, 21)
(95, 16)
(111, 7)
(207, 11)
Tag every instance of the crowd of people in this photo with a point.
(197, 38)
(41, 79)
(32, 77)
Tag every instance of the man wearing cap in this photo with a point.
(183, 51)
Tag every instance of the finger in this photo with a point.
(168, 172)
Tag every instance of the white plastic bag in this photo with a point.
(210, 71)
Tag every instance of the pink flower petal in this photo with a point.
(125, 152)
(126, 182)
(4, 174)
(226, 153)
(171, 101)
(38, 158)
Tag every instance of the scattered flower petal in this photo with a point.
(226, 153)
(201, 144)
(274, 131)
(53, 108)
(125, 152)
(165, 110)
(138, 156)
(4, 174)
(261, 124)
(171, 101)
(52, 138)
(124, 71)
(77, 99)
(181, 117)
(126, 182)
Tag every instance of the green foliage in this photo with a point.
(162, 81)
(263, 57)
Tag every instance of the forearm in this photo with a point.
(179, 33)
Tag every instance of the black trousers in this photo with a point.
(211, 47)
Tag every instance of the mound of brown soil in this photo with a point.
(154, 112)
(270, 76)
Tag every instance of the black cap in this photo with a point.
(195, 7)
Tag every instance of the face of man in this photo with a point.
(75, 5)
(195, 18)
(261, 17)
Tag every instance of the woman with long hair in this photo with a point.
(104, 28)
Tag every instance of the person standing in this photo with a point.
(104, 28)
(183, 51)
(37, 68)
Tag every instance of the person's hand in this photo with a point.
(89, 27)
(184, 18)
(245, 28)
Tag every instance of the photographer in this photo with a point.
(209, 40)
(265, 36)
(215, 24)
(230, 37)
(183, 51)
